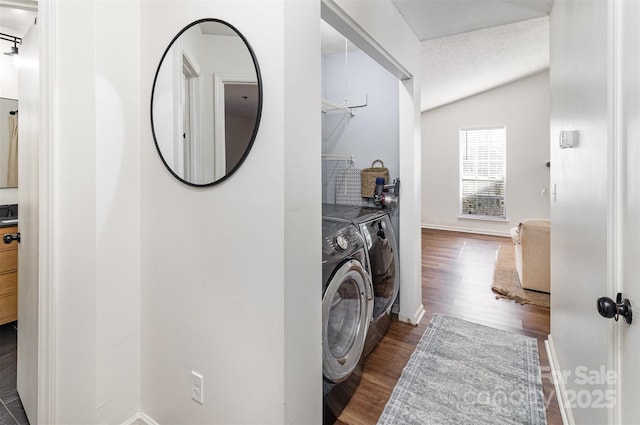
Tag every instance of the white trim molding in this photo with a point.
(558, 383)
(466, 230)
(140, 418)
(347, 26)
(616, 167)
(415, 318)
(47, 317)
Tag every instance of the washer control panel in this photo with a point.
(342, 242)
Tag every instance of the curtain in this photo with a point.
(12, 174)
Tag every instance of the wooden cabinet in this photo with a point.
(8, 278)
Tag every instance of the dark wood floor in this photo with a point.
(457, 272)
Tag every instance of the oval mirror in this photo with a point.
(206, 102)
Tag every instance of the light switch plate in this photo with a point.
(568, 139)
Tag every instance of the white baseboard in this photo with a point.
(415, 318)
(465, 230)
(561, 391)
(140, 418)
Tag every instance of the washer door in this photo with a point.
(347, 307)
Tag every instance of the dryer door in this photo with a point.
(347, 305)
(383, 260)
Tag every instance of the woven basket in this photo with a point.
(369, 175)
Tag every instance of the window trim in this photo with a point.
(461, 215)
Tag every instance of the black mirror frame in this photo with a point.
(258, 114)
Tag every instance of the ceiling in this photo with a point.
(16, 16)
(467, 46)
(439, 18)
(471, 46)
(462, 65)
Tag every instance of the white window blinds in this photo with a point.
(482, 172)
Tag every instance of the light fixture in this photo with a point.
(15, 40)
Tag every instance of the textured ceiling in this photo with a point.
(454, 66)
(438, 18)
(461, 65)
(470, 46)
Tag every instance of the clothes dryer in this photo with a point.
(377, 231)
(347, 306)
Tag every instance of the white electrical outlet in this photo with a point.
(197, 387)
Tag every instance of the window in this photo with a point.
(482, 172)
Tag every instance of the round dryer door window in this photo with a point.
(347, 307)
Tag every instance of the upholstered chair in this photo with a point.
(532, 245)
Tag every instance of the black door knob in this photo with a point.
(8, 238)
(606, 307)
(613, 310)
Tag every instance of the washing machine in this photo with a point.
(347, 308)
(377, 231)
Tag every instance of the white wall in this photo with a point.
(302, 180)
(523, 107)
(8, 90)
(6, 107)
(95, 221)
(152, 278)
(8, 69)
(231, 273)
(580, 217)
(167, 108)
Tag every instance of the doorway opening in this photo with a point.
(19, 330)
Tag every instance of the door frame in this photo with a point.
(46, 282)
(349, 25)
(617, 196)
(219, 114)
(191, 122)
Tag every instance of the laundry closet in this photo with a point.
(359, 114)
(360, 200)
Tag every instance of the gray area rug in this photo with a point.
(465, 373)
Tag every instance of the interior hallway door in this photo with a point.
(28, 204)
(580, 233)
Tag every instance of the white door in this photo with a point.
(628, 366)
(580, 231)
(28, 205)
